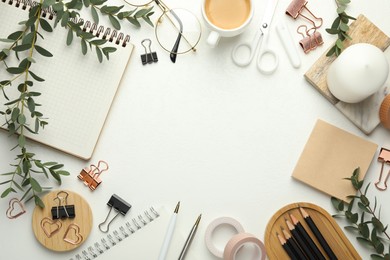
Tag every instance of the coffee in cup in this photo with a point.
(226, 18)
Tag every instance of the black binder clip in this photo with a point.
(62, 210)
(149, 56)
(119, 205)
(90, 176)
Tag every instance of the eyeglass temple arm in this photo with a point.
(175, 48)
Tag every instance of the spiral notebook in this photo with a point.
(140, 238)
(78, 90)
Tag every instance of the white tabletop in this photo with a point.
(221, 139)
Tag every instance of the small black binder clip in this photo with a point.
(90, 176)
(119, 205)
(149, 56)
(62, 210)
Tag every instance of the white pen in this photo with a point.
(168, 234)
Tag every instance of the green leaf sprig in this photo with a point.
(21, 113)
(365, 220)
(340, 27)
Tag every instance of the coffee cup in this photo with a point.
(226, 18)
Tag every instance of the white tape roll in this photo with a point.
(210, 230)
(238, 241)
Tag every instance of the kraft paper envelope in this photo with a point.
(330, 155)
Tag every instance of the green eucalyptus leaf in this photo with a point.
(7, 191)
(84, 47)
(45, 25)
(376, 257)
(69, 37)
(36, 77)
(95, 15)
(38, 201)
(99, 54)
(21, 141)
(43, 51)
(15, 35)
(35, 185)
(364, 230)
(115, 23)
(23, 47)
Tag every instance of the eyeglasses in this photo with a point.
(177, 30)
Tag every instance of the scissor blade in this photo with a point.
(269, 12)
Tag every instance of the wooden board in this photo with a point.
(332, 233)
(74, 230)
(363, 114)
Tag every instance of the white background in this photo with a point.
(222, 139)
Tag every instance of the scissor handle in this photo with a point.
(244, 61)
(267, 69)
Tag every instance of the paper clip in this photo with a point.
(119, 205)
(384, 158)
(149, 56)
(310, 41)
(15, 209)
(296, 9)
(90, 176)
(62, 210)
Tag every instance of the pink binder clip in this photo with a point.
(384, 158)
(297, 7)
(310, 41)
(90, 176)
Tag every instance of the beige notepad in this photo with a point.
(330, 155)
(78, 90)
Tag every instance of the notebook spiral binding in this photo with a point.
(117, 236)
(98, 31)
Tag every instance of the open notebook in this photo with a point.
(78, 90)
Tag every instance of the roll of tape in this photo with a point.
(211, 228)
(238, 241)
(384, 112)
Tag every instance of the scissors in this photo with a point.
(262, 34)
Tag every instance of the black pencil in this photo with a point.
(313, 247)
(302, 244)
(286, 247)
(313, 227)
(294, 246)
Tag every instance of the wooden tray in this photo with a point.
(332, 233)
(83, 219)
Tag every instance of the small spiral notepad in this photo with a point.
(139, 238)
(78, 90)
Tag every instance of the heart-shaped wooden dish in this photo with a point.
(72, 232)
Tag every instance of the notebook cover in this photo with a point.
(330, 155)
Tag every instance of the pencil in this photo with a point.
(189, 238)
(286, 247)
(313, 227)
(168, 234)
(313, 247)
(302, 244)
(294, 246)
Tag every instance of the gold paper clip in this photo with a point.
(310, 41)
(90, 176)
(296, 9)
(384, 158)
(15, 209)
(62, 210)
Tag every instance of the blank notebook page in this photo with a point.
(77, 92)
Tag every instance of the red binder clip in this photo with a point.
(90, 176)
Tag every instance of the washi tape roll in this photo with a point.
(384, 112)
(211, 228)
(238, 241)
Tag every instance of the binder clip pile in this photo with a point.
(90, 176)
(311, 37)
(149, 56)
(384, 158)
(62, 210)
(119, 205)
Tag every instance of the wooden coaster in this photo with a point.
(62, 234)
(328, 227)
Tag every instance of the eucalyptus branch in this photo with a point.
(371, 232)
(340, 27)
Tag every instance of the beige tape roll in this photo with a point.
(238, 241)
(384, 112)
(210, 230)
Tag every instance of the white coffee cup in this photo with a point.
(226, 18)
